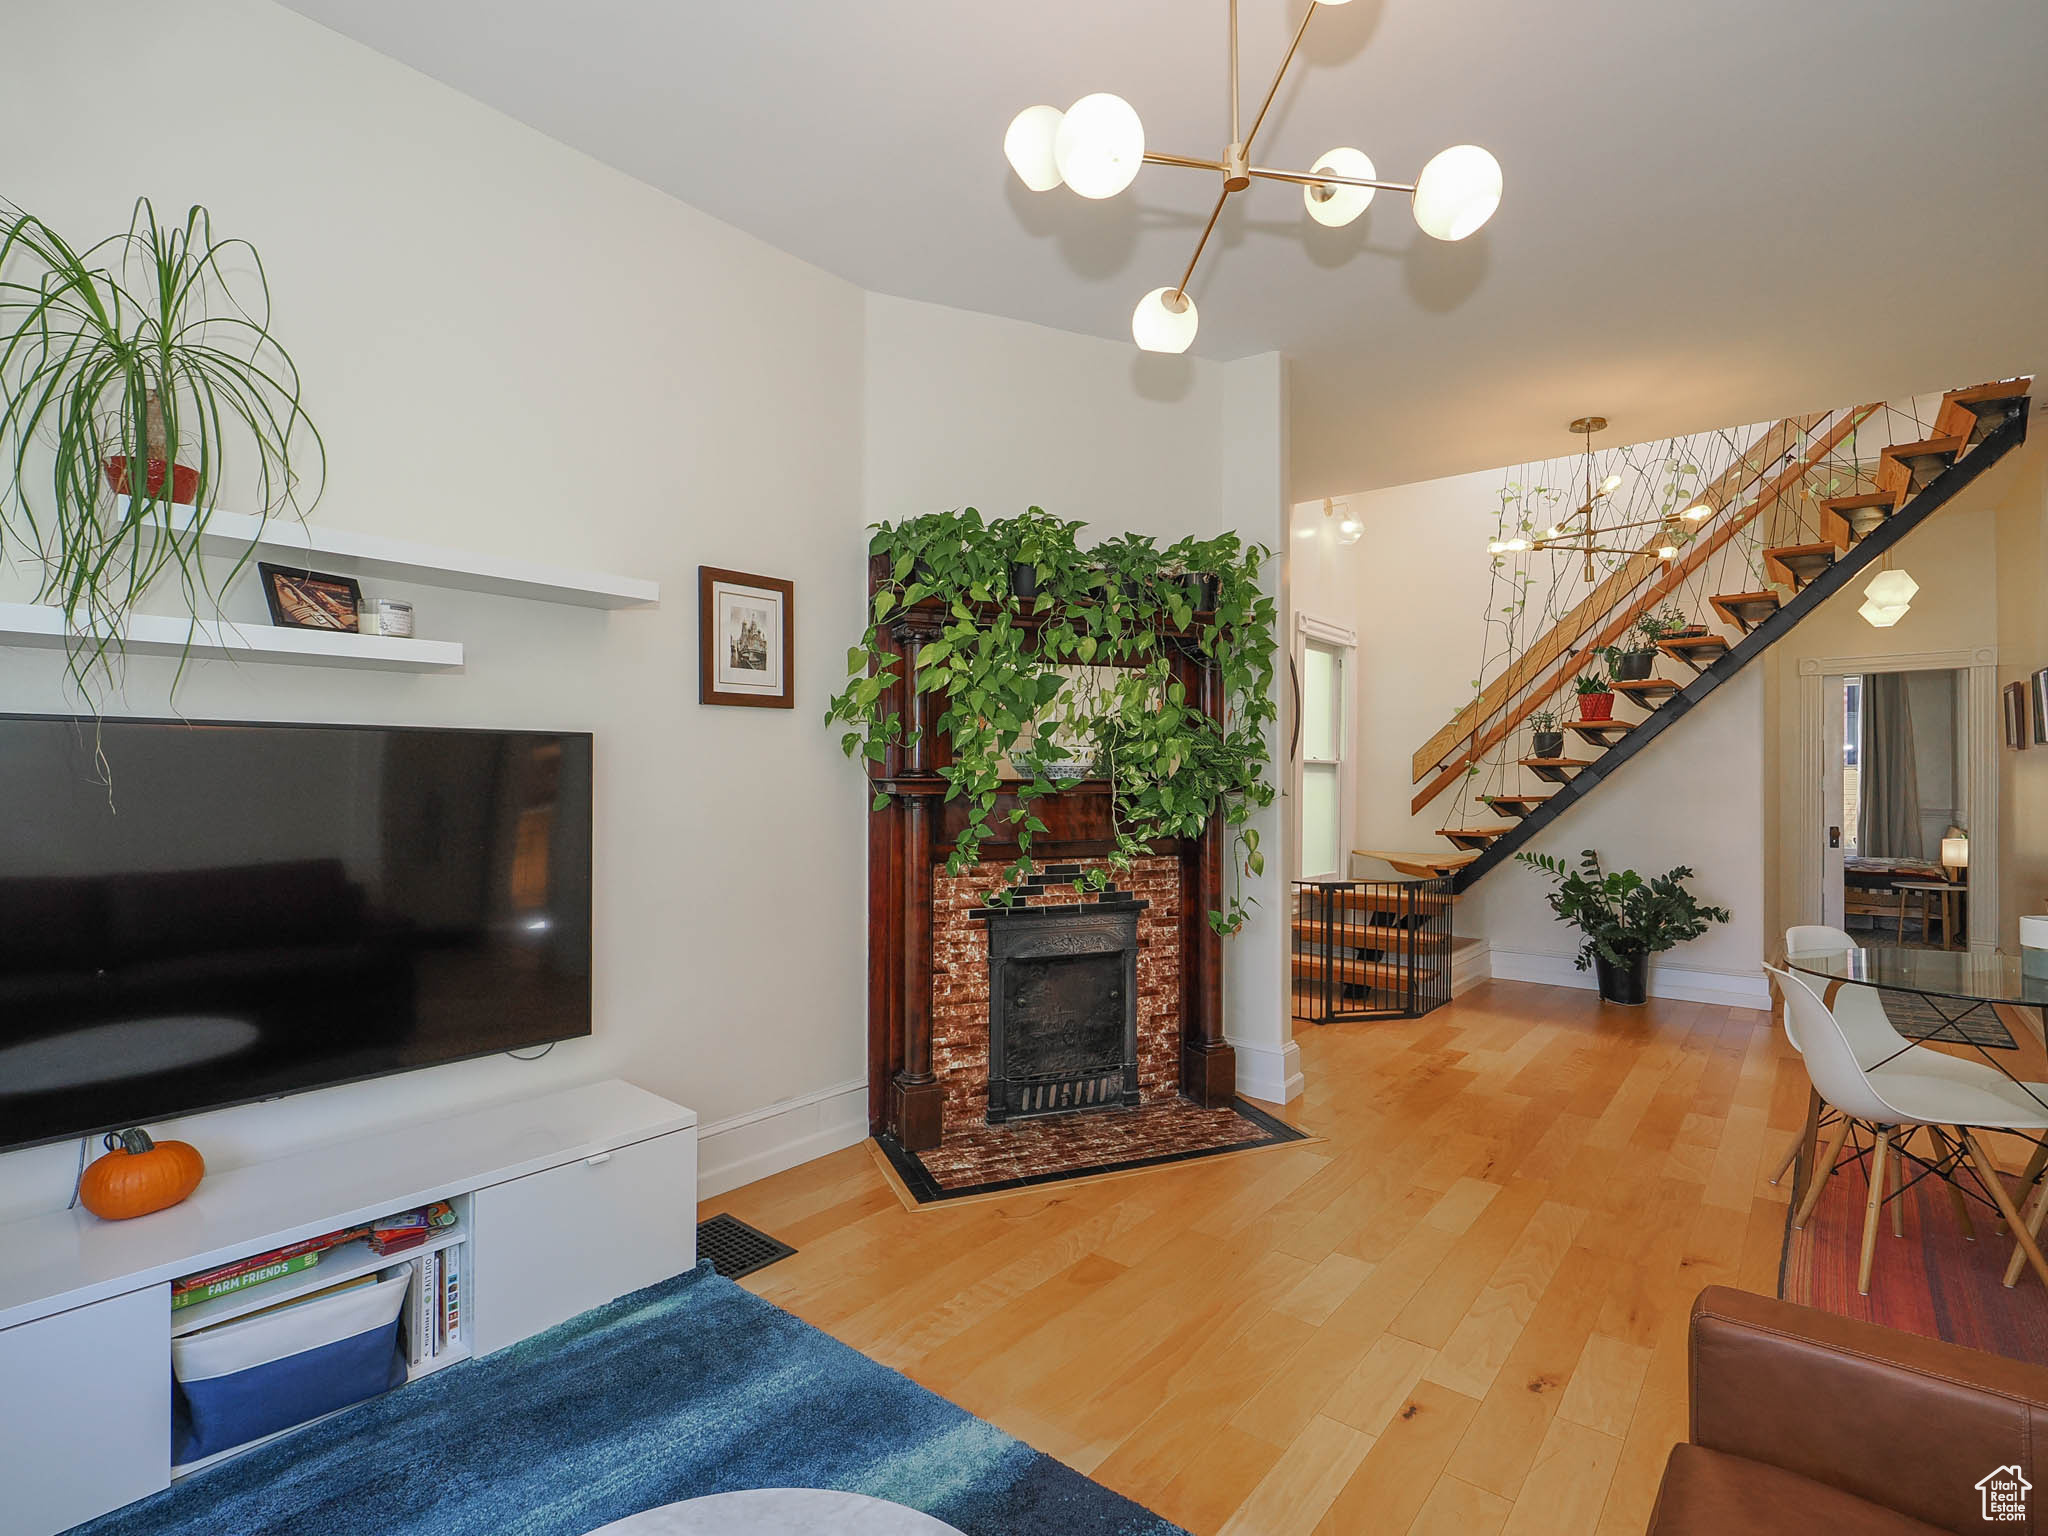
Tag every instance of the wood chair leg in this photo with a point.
(2037, 1160)
(1961, 1206)
(1809, 1143)
(1818, 1179)
(2034, 1217)
(1880, 1160)
(1899, 1188)
(1792, 1150)
(1987, 1170)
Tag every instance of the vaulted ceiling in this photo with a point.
(1714, 212)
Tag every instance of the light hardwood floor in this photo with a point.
(1461, 1312)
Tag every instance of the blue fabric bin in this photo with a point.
(243, 1380)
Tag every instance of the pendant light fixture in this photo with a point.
(1576, 531)
(1097, 145)
(1888, 596)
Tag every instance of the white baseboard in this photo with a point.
(1680, 983)
(1471, 963)
(1268, 1072)
(743, 1148)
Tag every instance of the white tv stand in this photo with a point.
(566, 1202)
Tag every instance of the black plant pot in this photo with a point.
(1023, 579)
(1547, 743)
(1628, 983)
(1199, 590)
(1633, 666)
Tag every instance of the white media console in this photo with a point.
(566, 1201)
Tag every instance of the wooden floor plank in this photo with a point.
(1463, 1309)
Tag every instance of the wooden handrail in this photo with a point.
(1726, 489)
(1674, 578)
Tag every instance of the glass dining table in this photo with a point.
(1954, 985)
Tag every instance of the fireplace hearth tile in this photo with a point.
(991, 1159)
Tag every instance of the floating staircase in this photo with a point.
(1973, 430)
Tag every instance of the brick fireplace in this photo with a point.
(929, 1059)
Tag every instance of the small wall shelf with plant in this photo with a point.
(1000, 654)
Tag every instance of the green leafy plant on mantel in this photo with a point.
(143, 364)
(1048, 650)
(1621, 916)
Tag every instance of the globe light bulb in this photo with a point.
(1337, 206)
(1609, 486)
(1028, 147)
(1882, 615)
(1457, 192)
(1891, 589)
(1667, 551)
(1164, 321)
(1099, 145)
(1699, 511)
(1350, 530)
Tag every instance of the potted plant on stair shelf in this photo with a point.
(1633, 664)
(1596, 696)
(1546, 738)
(1624, 918)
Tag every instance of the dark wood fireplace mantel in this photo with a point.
(909, 837)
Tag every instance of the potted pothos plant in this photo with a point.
(138, 377)
(1596, 696)
(1623, 919)
(1546, 739)
(1071, 666)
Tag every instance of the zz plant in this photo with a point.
(135, 364)
(1085, 661)
(1621, 917)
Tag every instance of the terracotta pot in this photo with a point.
(184, 480)
(1596, 706)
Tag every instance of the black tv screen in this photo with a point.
(200, 915)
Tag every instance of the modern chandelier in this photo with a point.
(1097, 145)
(1578, 532)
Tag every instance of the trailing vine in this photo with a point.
(1048, 653)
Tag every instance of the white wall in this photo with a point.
(511, 347)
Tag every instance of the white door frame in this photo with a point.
(1307, 627)
(1982, 738)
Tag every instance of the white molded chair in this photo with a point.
(1903, 1094)
(1817, 939)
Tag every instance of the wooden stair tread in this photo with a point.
(1417, 900)
(1599, 729)
(1420, 865)
(1975, 412)
(1364, 972)
(1845, 519)
(1355, 935)
(1797, 564)
(1472, 837)
(1736, 608)
(1513, 799)
(1904, 468)
(1697, 651)
(1637, 687)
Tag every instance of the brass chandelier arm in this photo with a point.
(1190, 162)
(1328, 179)
(1279, 75)
(1181, 291)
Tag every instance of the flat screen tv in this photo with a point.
(199, 915)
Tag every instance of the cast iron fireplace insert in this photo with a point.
(1062, 1004)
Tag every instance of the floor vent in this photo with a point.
(736, 1249)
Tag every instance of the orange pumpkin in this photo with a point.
(138, 1176)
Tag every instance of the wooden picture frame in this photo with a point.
(746, 625)
(302, 599)
(2016, 723)
(2040, 692)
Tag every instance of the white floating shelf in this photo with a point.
(289, 541)
(150, 634)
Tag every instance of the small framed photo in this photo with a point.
(2041, 708)
(746, 651)
(2016, 731)
(309, 600)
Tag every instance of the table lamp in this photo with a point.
(1955, 852)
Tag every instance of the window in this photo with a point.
(1322, 760)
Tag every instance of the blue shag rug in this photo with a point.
(690, 1387)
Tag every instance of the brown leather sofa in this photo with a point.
(1806, 1422)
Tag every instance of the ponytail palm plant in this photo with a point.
(138, 378)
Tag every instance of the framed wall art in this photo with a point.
(746, 648)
